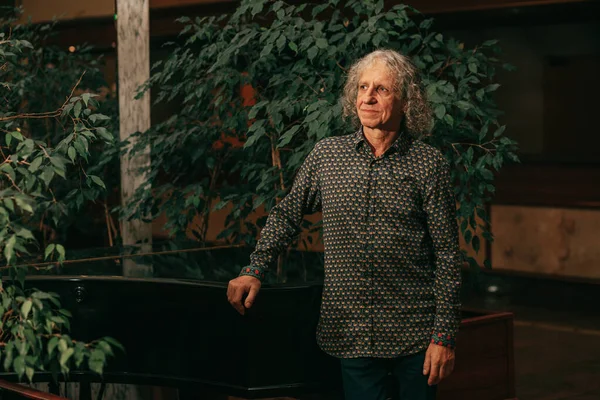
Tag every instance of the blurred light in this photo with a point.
(18, 129)
(114, 44)
(492, 288)
(72, 49)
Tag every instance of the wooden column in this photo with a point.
(133, 39)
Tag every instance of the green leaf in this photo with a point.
(493, 87)
(440, 111)
(256, 108)
(35, 164)
(47, 176)
(77, 109)
(65, 355)
(487, 174)
(293, 46)
(9, 249)
(473, 67)
(25, 233)
(98, 117)
(105, 347)
(468, 235)
(72, 153)
(61, 251)
(436, 66)
(322, 43)
(97, 181)
(8, 356)
(465, 105)
(9, 204)
(58, 163)
(86, 97)
(114, 343)
(19, 366)
(26, 308)
(266, 50)
(17, 135)
(66, 313)
(52, 343)
(104, 134)
(96, 366)
(62, 345)
(49, 250)
(29, 372)
(8, 138)
(288, 136)
(476, 243)
(281, 42)
(258, 133)
(449, 119)
(319, 9)
(499, 131)
(469, 155)
(256, 8)
(24, 204)
(312, 116)
(479, 94)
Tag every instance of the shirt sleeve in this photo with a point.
(440, 207)
(284, 220)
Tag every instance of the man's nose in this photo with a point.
(370, 95)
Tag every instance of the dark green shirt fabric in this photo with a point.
(392, 259)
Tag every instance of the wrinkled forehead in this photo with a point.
(377, 70)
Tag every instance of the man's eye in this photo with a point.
(382, 89)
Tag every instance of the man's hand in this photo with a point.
(238, 287)
(439, 363)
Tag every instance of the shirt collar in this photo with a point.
(400, 145)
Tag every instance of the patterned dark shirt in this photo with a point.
(392, 258)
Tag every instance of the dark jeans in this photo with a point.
(368, 378)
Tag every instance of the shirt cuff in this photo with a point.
(444, 340)
(256, 272)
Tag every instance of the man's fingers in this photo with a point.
(251, 296)
(234, 296)
(447, 369)
(434, 374)
(238, 288)
(427, 364)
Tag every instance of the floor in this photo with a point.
(556, 336)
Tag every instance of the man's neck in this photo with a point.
(380, 140)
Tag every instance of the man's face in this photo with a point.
(377, 105)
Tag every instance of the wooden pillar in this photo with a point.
(133, 51)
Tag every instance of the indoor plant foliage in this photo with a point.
(40, 80)
(295, 58)
(34, 167)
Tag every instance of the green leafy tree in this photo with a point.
(295, 58)
(44, 157)
(40, 79)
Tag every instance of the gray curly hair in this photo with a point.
(417, 116)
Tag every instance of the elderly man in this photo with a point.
(392, 261)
